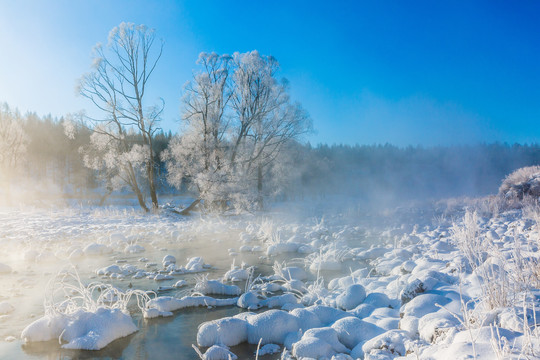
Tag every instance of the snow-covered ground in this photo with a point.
(452, 280)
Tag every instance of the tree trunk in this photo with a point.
(187, 210)
(259, 187)
(135, 187)
(141, 199)
(152, 185)
(105, 196)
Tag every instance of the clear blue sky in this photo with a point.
(403, 72)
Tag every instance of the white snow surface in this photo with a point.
(406, 294)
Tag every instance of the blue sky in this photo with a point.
(402, 72)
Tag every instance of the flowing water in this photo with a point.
(161, 338)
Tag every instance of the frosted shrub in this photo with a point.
(521, 184)
(493, 278)
(467, 238)
(67, 295)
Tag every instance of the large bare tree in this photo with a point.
(117, 86)
(238, 119)
(266, 118)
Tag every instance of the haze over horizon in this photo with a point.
(406, 74)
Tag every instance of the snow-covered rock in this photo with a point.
(82, 330)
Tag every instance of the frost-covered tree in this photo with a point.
(266, 118)
(238, 118)
(13, 141)
(123, 136)
(199, 156)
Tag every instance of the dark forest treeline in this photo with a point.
(415, 172)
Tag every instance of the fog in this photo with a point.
(48, 169)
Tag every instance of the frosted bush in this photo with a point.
(522, 183)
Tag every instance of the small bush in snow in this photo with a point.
(521, 184)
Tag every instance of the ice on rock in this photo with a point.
(217, 352)
(279, 301)
(385, 318)
(352, 331)
(215, 287)
(154, 313)
(408, 266)
(134, 249)
(82, 330)
(269, 349)
(6, 308)
(250, 300)
(291, 339)
(353, 296)
(385, 312)
(169, 303)
(168, 260)
(111, 269)
(245, 248)
(236, 275)
(160, 277)
(393, 342)
(326, 314)
(373, 253)
(312, 348)
(362, 310)
(195, 264)
(409, 324)
(271, 326)
(328, 335)
(253, 300)
(179, 284)
(412, 289)
(96, 249)
(342, 282)
(227, 331)
(139, 274)
(306, 318)
(377, 300)
(424, 304)
(434, 326)
(282, 248)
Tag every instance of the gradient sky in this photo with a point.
(400, 72)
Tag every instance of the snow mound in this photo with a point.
(228, 331)
(271, 326)
(216, 352)
(82, 330)
(353, 296)
(217, 288)
(521, 183)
